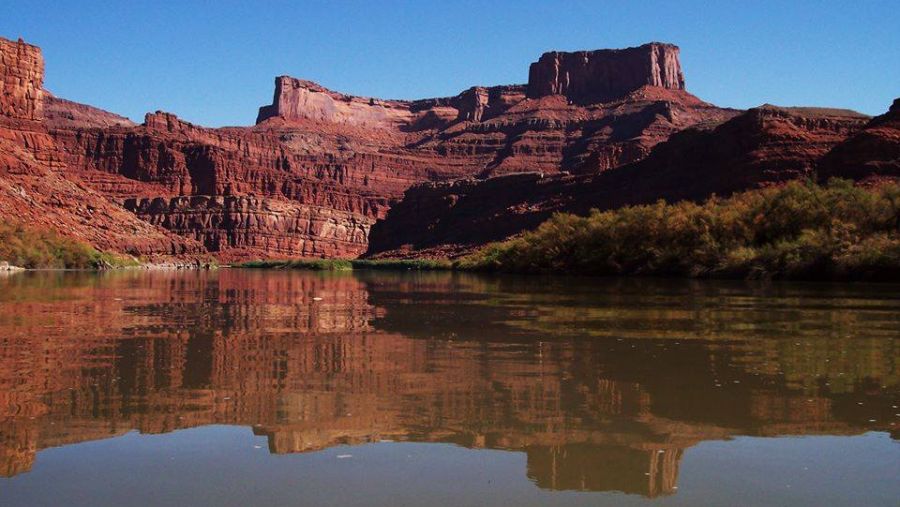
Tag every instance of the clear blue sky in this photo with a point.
(214, 62)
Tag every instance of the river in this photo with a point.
(241, 387)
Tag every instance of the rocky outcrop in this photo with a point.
(762, 146)
(65, 113)
(37, 188)
(6, 267)
(257, 227)
(298, 99)
(21, 81)
(22, 129)
(320, 167)
(872, 153)
(598, 76)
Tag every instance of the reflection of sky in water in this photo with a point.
(494, 390)
(220, 465)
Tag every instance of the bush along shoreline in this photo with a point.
(802, 230)
(32, 248)
(349, 265)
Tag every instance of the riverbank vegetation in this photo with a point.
(37, 248)
(348, 265)
(800, 230)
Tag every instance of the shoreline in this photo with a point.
(443, 265)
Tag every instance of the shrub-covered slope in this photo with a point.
(799, 230)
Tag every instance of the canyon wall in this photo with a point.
(762, 146)
(595, 76)
(320, 167)
(244, 226)
(21, 81)
(36, 186)
(873, 153)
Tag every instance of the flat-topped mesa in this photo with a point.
(21, 81)
(606, 74)
(299, 99)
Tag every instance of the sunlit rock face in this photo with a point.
(245, 226)
(21, 81)
(36, 185)
(320, 167)
(319, 153)
(602, 75)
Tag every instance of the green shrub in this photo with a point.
(307, 264)
(37, 248)
(799, 230)
(402, 264)
(346, 265)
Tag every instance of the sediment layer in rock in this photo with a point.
(602, 75)
(37, 188)
(320, 167)
(762, 146)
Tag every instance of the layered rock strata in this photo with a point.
(764, 145)
(872, 153)
(21, 81)
(242, 226)
(36, 186)
(596, 76)
(321, 167)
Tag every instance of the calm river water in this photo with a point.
(295, 388)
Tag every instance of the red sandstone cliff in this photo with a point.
(37, 188)
(320, 167)
(597, 76)
(872, 153)
(761, 146)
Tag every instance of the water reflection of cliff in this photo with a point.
(603, 387)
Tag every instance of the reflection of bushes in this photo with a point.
(30, 247)
(345, 265)
(308, 264)
(800, 230)
(403, 264)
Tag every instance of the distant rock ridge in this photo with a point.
(299, 99)
(321, 167)
(871, 154)
(61, 112)
(583, 77)
(762, 146)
